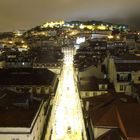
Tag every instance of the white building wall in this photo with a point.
(37, 88)
(111, 70)
(135, 77)
(14, 137)
(99, 131)
(101, 86)
(85, 94)
(56, 70)
(127, 86)
(39, 125)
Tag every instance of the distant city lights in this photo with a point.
(52, 24)
(80, 40)
(110, 37)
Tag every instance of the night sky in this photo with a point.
(25, 14)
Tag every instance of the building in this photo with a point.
(23, 115)
(31, 79)
(118, 48)
(110, 117)
(124, 72)
(53, 64)
(50, 58)
(91, 53)
(98, 45)
(16, 59)
(94, 87)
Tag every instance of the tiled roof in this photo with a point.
(105, 117)
(111, 135)
(130, 118)
(120, 111)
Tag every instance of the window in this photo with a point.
(87, 94)
(124, 77)
(129, 77)
(122, 87)
(118, 77)
(94, 93)
(103, 87)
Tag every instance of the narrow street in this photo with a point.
(67, 119)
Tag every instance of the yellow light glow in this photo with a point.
(11, 42)
(101, 27)
(90, 27)
(117, 37)
(68, 108)
(110, 37)
(111, 28)
(22, 41)
(75, 32)
(43, 33)
(81, 26)
(19, 34)
(24, 46)
(72, 26)
(52, 24)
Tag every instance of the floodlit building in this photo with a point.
(23, 115)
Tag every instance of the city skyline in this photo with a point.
(69, 70)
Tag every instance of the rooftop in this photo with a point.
(92, 84)
(115, 111)
(50, 56)
(130, 118)
(110, 135)
(26, 76)
(127, 67)
(13, 105)
(130, 57)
